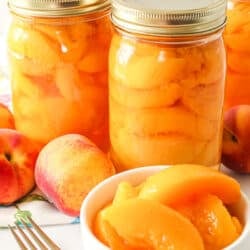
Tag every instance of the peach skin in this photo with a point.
(236, 139)
(17, 161)
(67, 168)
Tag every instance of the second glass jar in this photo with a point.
(166, 94)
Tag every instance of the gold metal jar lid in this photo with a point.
(169, 17)
(56, 8)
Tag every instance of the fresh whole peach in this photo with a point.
(6, 117)
(17, 162)
(236, 139)
(67, 168)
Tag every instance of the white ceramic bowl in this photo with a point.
(104, 192)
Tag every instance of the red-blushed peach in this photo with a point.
(67, 168)
(17, 162)
(236, 139)
(6, 117)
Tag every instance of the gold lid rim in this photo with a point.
(169, 22)
(168, 31)
(56, 8)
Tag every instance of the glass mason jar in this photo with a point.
(58, 54)
(237, 43)
(166, 83)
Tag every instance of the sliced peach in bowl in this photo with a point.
(116, 201)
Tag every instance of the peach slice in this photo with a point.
(163, 121)
(124, 192)
(76, 40)
(184, 182)
(145, 98)
(214, 222)
(109, 236)
(233, 42)
(145, 224)
(117, 243)
(99, 227)
(208, 101)
(67, 80)
(235, 21)
(150, 149)
(233, 94)
(29, 67)
(238, 62)
(154, 75)
(94, 61)
(34, 45)
(213, 65)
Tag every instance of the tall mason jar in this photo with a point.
(166, 82)
(58, 54)
(237, 43)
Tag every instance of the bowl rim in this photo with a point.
(148, 170)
